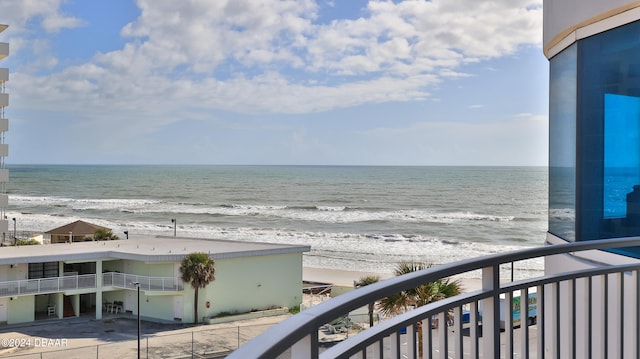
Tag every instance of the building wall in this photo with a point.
(563, 15)
(18, 272)
(155, 306)
(164, 269)
(245, 284)
(21, 309)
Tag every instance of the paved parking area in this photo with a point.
(117, 337)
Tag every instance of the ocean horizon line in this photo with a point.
(266, 165)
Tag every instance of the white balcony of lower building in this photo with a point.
(4, 74)
(150, 284)
(86, 283)
(4, 150)
(4, 200)
(47, 285)
(4, 175)
(4, 124)
(4, 99)
(4, 49)
(4, 226)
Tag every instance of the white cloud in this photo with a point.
(270, 50)
(20, 12)
(271, 56)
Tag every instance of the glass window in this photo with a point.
(43, 270)
(608, 135)
(562, 143)
(621, 153)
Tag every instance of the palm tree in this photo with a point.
(418, 296)
(364, 281)
(104, 234)
(199, 270)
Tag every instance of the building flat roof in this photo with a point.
(142, 248)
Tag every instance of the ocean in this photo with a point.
(355, 218)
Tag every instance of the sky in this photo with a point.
(276, 82)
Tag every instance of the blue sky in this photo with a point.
(441, 82)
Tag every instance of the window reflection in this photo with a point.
(562, 144)
(594, 138)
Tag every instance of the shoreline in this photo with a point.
(345, 278)
(339, 277)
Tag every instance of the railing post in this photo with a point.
(491, 312)
(427, 338)
(524, 323)
(508, 324)
(443, 335)
(394, 347)
(473, 330)
(411, 341)
(457, 328)
(306, 347)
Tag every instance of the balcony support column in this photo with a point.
(75, 303)
(99, 289)
(306, 347)
(59, 302)
(491, 309)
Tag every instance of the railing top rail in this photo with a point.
(134, 275)
(279, 338)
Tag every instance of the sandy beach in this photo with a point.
(336, 276)
(346, 278)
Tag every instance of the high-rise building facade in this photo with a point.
(593, 47)
(4, 147)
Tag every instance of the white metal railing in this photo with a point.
(590, 313)
(47, 285)
(124, 280)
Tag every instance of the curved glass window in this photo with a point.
(594, 144)
(608, 138)
(562, 144)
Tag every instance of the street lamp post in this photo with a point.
(126, 233)
(15, 239)
(137, 284)
(175, 223)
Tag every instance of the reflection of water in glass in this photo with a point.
(621, 155)
(618, 183)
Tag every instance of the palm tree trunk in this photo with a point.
(195, 306)
(420, 341)
(371, 315)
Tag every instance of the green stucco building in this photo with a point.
(95, 278)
